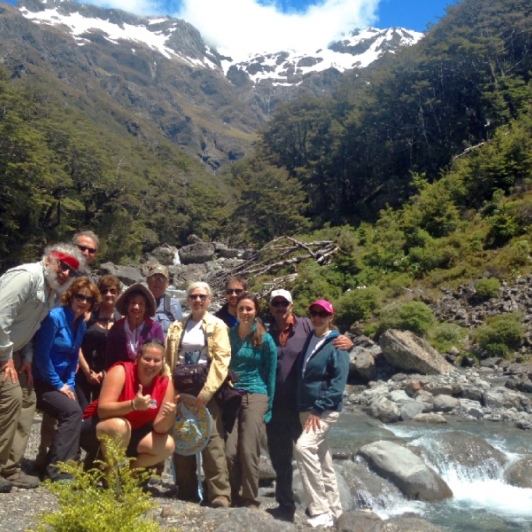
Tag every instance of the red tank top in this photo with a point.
(136, 418)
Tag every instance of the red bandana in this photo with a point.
(63, 257)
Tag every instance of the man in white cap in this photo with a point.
(289, 333)
(168, 309)
(27, 294)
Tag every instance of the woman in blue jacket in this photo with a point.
(254, 360)
(322, 372)
(54, 369)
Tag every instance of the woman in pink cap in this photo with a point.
(322, 376)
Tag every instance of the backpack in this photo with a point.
(166, 308)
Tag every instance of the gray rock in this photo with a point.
(405, 350)
(399, 396)
(385, 410)
(430, 418)
(406, 523)
(197, 253)
(243, 520)
(445, 403)
(362, 363)
(504, 398)
(224, 251)
(468, 407)
(164, 254)
(360, 521)
(520, 473)
(368, 490)
(128, 275)
(406, 470)
(411, 409)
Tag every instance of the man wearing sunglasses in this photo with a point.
(87, 242)
(234, 286)
(289, 333)
(27, 294)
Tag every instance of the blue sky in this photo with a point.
(240, 27)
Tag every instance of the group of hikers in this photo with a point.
(99, 361)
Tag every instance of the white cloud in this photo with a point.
(244, 26)
(241, 27)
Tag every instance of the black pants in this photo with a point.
(91, 444)
(283, 431)
(68, 413)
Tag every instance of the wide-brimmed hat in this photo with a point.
(121, 302)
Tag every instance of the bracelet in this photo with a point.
(133, 404)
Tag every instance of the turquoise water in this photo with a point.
(480, 502)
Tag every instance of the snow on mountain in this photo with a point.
(358, 50)
(284, 68)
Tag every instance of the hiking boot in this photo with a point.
(220, 502)
(283, 513)
(19, 479)
(5, 485)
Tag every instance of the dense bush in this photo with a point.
(414, 316)
(443, 336)
(358, 304)
(500, 335)
(487, 288)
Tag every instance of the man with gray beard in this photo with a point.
(27, 294)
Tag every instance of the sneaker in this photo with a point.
(22, 480)
(324, 520)
(220, 502)
(5, 485)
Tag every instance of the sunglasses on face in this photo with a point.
(64, 267)
(319, 314)
(203, 297)
(106, 291)
(91, 251)
(278, 304)
(236, 291)
(82, 299)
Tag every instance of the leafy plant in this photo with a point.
(500, 335)
(109, 500)
(414, 316)
(487, 288)
(358, 304)
(443, 336)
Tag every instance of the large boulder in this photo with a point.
(382, 408)
(405, 350)
(128, 275)
(520, 473)
(364, 521)
(196, 253)
(164, 254)
(406, 470)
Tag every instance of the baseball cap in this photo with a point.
(324, 304)
(158, 269)
(285, 294)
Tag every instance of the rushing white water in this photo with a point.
(481, 489)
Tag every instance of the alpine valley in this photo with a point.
(160, 76)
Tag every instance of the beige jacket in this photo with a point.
(218, 350)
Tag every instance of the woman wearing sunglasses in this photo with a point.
(322, 376)
(201, 340)
(94, 346)
(55, 362)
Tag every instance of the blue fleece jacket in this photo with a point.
(321, 385)
(56, 350)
